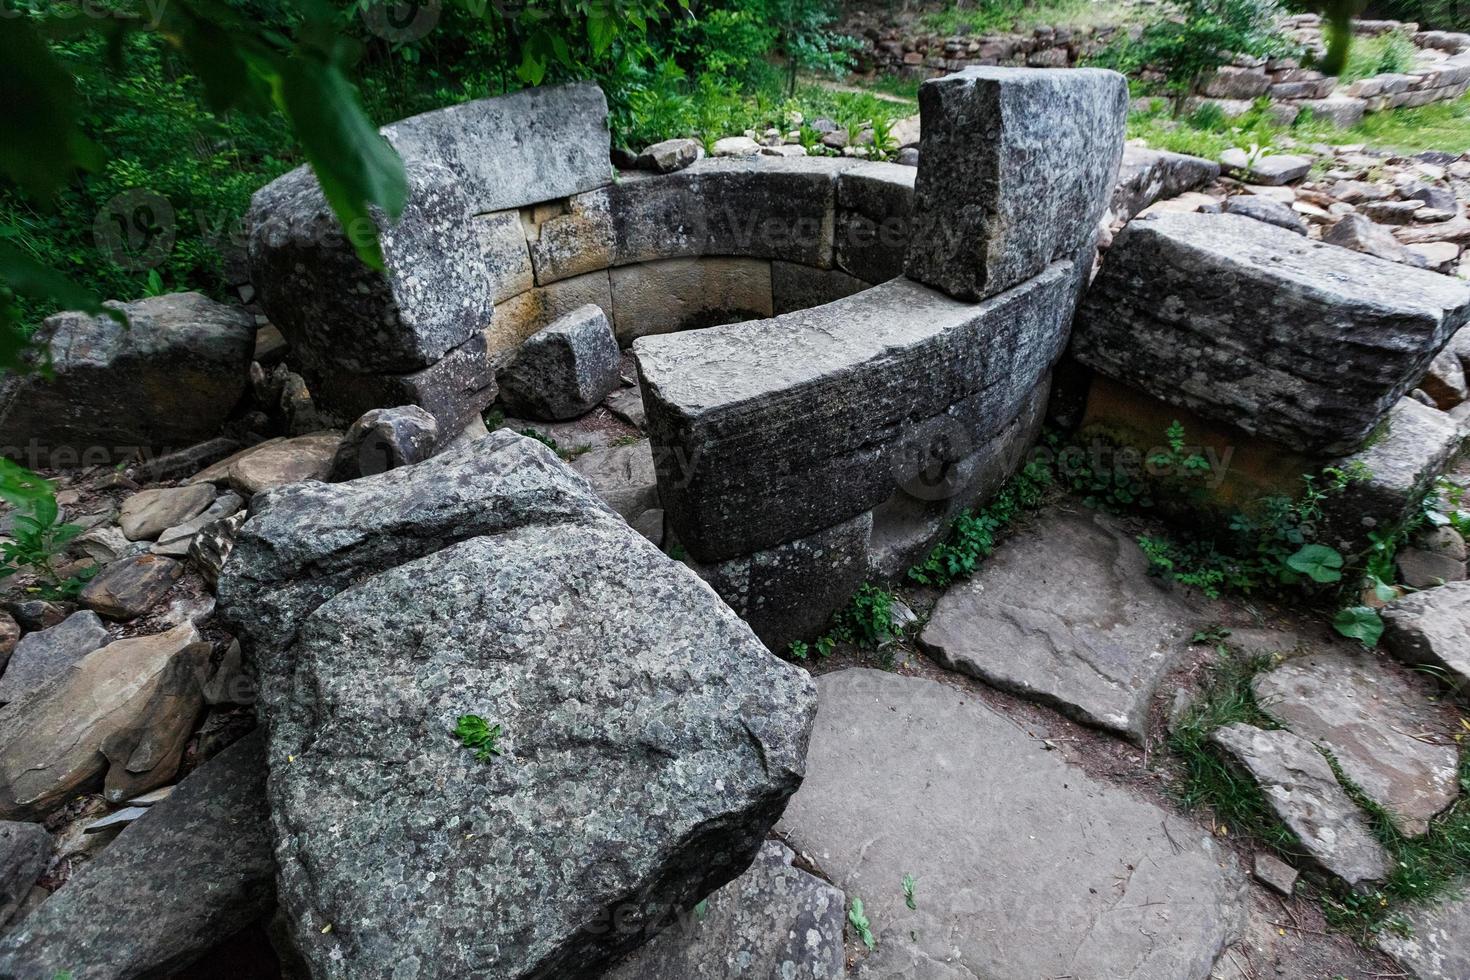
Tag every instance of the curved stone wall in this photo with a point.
(818, 416)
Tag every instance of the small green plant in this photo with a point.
(473, 733)
(541, 437)
(973, 535)
(868, 617)
(884, 143)
(1361, 623)
(909, 884)
(859, 921)
(38, 541)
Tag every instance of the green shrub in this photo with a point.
(1392, 52)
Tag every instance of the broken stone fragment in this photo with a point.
(148, 512)
(46, 653)
(129, 588)
(383, 439)
(1432, 629)
(25, 850)
(563, 370)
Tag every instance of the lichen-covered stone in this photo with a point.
(384, 439)
(563, 370)
(799, 423)
(506, 254)
(1018, 165)
(338, 313)
(167, 380)
(525, 313)
(1254, 326)
(640, 718)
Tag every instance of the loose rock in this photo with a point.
(129, 588)
(1432, 628)
(275, 464)
(148, 512)
(43, 655)
(564, 370)
(383, 439)
(25, 849)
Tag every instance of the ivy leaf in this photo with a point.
(1318, 562)
(1359, 623)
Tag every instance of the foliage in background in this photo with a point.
(1391, 52)
(1439, 15)
(38, 541)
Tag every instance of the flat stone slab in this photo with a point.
(773, 921)
(1387, 737)
(1065, 613)
(44, 654)
(1432, 628)
(1260, 328)
(1302, 790)
(1438, 944)
(1025, 865)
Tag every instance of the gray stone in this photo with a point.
(569, 237)
(735, 146)
(521, 316)
(193, 871)
(9, 637)
(51, 740)
(116, 820)
(1025, 865)
(39, 614)
(148, 512)
(212, 545)
(1066, 613)
(507, 257)
(1359, 233)
(1275, 874)
(1017, 168)
(1301, 789)
(169, 379)
(687, 294)
(1445, 380)
(624, 477)
(25, 850)
(1254, 326)
(1376, 724)
(563, 370)
(640, 717)
(773, 921)
(627, 404)
(129, 588)
(1267, 210)
(1148, 175)
(1433, 946)
(513, 150)
(670, 155)
(1342, 111)
(147, 754)
(383, 439)
(277, 463)
(1439, 198)
(1432, 629)
(1390, 212)
(793, 425)
(789, 591)
(1232, 82)
(45, 654)
(874, 206)
(800, 287)
(1419, 569)
(1271, 169)
(176, 541)
(338, 313)
(106, 544)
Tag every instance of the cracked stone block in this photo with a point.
(874, 206)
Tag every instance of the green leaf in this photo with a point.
(356, 166)
(40, 142)
(1359, 623)
(1318, 562)
(19, 487)
(860, 922)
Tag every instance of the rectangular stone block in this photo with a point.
(1304, 343)
(874, 205)
(522, 315)
(1146, 176)
(503, 244)
(1017, 167)
(757, 206)
(800, 287)
(682, 294)
(787, 426)
(517, 149)
(570, 237)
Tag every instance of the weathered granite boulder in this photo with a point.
(786, 427)
(188, 874)
(563, 370)
(168, 380)
(639, 718)
(1301, 789)
(25, 849)
(384, 439)
(1018, 166)
(775, 920)
(1146, 175)
(338, 313)
(1434, 945)
(1254, 326)
(1432, 629)
(46, 653)
(51, 740)
(537, 144)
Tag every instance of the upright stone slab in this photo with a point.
(790, 426)
(1249, 324)
(1018, 165)
(338, 313)
(648, 742)
(512, 150)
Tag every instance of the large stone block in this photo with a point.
(506, 254)
(874, 204)
(761, 207)
(571, 236)
(799, 423)
(563, 371)
(680, 294)
(339, 314)
(167, 381)
(1252, 325)
(517, 149)
(1018, 165)
(639, 718)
